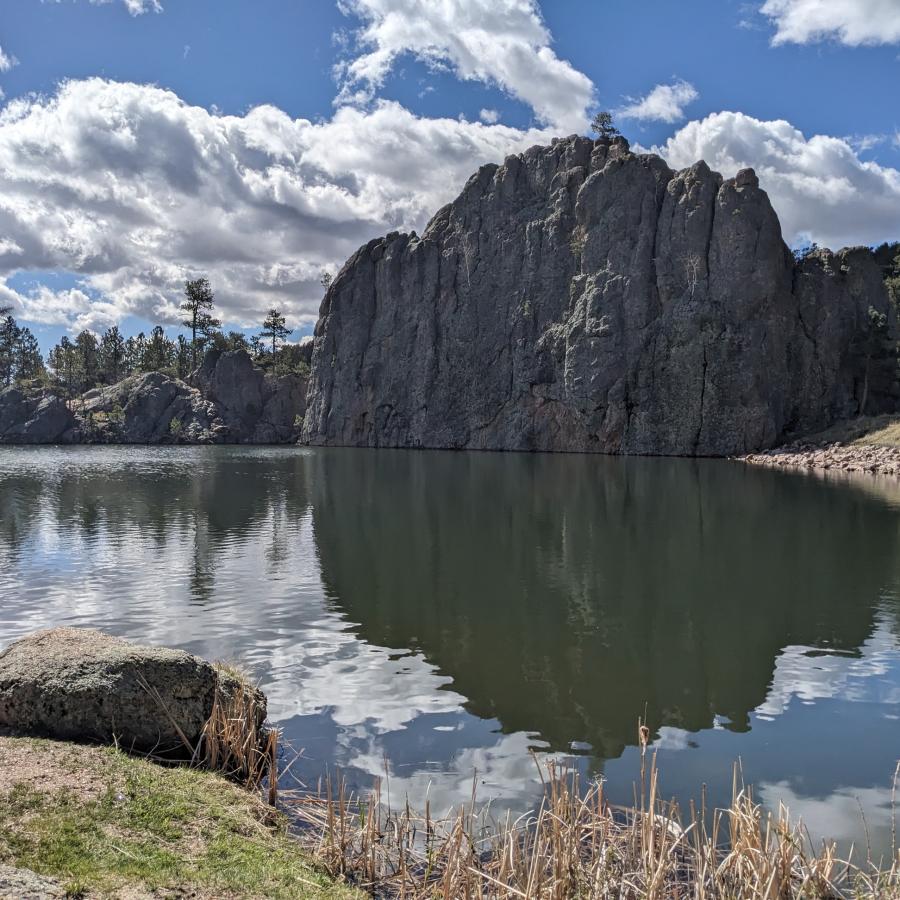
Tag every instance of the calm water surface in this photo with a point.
(442, 615)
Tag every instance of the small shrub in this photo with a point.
(578, 241)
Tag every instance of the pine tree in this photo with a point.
(892, 280)
(198, 306)
(65, 361)
(9, 338)
(274, 329)
(159, 354)
(877, 354)
(182, 357)
(237, 340)
(111, 356)
(134, 352)
(89, 362)
(604, 126)
(29, 363)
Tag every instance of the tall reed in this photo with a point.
(577, 845)
(235, 740)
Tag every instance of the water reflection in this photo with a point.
(444, 613)
(566, 595)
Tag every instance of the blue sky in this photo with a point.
(260, 141)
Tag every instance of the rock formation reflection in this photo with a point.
(566, 595)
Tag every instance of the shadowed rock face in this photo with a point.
(256, 408)
(584, 298)
(33, 417)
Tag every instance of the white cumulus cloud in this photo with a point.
(499, 42)
(134, 190)
(665, 103)
(850, 22)
(7, 61)
(819, 186)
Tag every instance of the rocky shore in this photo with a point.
(838, 457)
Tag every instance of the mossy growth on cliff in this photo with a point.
(105, 824)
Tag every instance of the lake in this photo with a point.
(439, 616)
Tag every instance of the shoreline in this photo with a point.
(80, 817)
(857, 458)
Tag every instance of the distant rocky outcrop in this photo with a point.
(228, 400)
(582, 297)
(148, 409)
(79, 684)
(33, 416)
(260, 408)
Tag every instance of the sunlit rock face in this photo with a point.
(229, 400)
(581, 297)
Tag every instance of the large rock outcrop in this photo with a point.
(581, 297)
(229, 400)
(79, 684)
(257, 408)
(149, 409)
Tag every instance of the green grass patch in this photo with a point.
(102, 822)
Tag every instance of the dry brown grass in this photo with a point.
(235, 741)
(874, 431)
(576, 845)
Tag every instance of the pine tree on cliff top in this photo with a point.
(604, 126)
(198, 306)
(274, 329)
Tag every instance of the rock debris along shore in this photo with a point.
(837, 457)
(582, 297)
(228, 400)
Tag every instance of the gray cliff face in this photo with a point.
(584, 298)
(230, 400)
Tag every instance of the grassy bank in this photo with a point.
(106, 825)
(866, 431)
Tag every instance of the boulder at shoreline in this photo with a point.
(83, 685)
